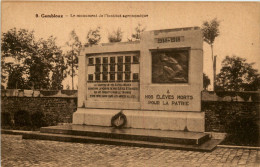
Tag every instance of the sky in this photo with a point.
(239, 22)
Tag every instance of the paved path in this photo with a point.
(18, 152)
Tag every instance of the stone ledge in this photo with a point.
(38, 93)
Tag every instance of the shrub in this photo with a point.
(38, 119)
(22, 118)
(242, 128)
(239, 120)
(52, 119)
(6, 119)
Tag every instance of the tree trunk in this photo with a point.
(214, 71)
(72, 72)
(213, 78)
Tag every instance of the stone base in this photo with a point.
(192, 141)
(163, 120)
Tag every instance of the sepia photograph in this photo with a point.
(130, 83)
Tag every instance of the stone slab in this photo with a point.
(163, 120)
(177, 137)
(207, 146)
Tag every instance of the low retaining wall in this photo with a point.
(235, 113)
(219, 107)
(58, 106)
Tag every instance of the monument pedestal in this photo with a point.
(163, 120)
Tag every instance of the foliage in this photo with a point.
(52, 118)
(15, 78)
(6, 118)
(237, 75)
(242, 130)
(115, 36)
(241, 127)
(38, 119)
(93, 37)
(206, 81)
(58, 73)
(137, 34)
(22, 118)
(210, 30)
(3, 72)
(43, 62)
(33, 59)
(16, 45)
(74, 45)
(238, 119)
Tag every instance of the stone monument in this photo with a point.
(155, 82)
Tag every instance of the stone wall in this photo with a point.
(58, 106)
(220, 108)
(219, 114)
(235, 113)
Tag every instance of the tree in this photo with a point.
(136, 36)
(17, 44)
(115, 36)
(58, 66)
(41, 64)
(237, 75)
(16, 47)
(3, 72)
(58, 73)
(15, 78)
(93, 37)
(32, 61)
(72, 55)
(206, 81)
(210, 30)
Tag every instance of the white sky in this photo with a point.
(239, 27)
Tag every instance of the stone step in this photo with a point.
(207, 146)
(159, 136)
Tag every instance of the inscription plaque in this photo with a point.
(116, 77)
